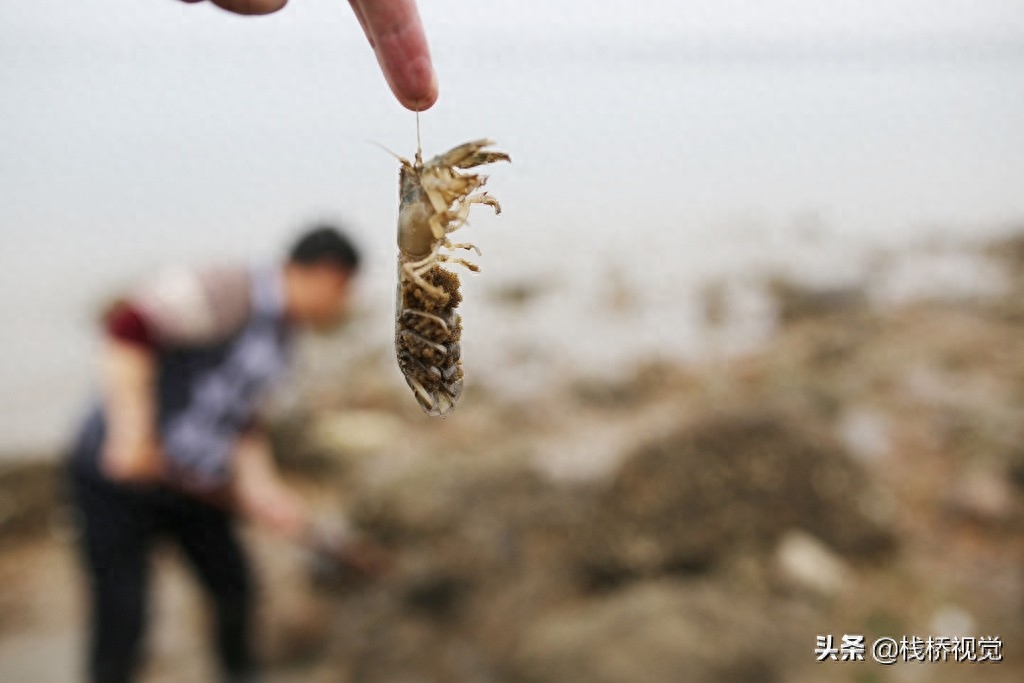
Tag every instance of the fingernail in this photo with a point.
(419, 87)
(432, 94)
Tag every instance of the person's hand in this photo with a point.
(277, 508)
(396, 35)
(340, 558)
(132, 460)
(395, 32)
(366, 558)
(260, 493)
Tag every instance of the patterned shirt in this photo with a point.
(220, 339)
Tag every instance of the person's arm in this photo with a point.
(261, 494)
(131, 450)
(396, 35)
(172, 310)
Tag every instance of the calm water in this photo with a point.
(642, 170)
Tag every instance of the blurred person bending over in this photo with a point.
(175, 448)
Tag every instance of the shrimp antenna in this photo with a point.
(419, 148)
(399, 157)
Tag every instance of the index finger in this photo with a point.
(395, 32)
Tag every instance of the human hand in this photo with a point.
(261, 494)
(396, 35)
(277, 508)
(132, 459)
(395, 32)
(366, 558)
(341, 558)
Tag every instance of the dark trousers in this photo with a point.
(119, 527)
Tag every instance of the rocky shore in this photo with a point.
(862, 473)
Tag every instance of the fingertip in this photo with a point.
(404, 56)
(427, 101)
(416, 85)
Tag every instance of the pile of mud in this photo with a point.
(732, 484)
(504, 575)
(28, 497)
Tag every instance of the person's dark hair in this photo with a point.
(325, 244)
